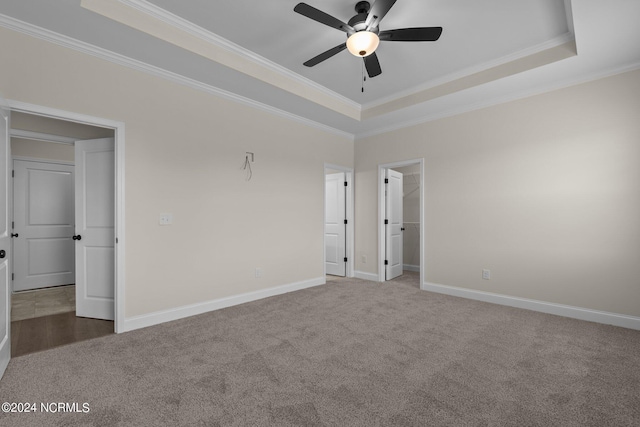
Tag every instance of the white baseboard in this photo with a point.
(409, 267)
(604, 317)
(144, 320)
(365, 276)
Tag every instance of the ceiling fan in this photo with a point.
(363, 32)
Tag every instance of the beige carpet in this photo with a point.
(350, 353)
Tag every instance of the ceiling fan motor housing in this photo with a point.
(363, 7)
(358, 21)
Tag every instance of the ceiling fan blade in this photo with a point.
(421, 34)
(325, 55)
(372, 65)
(322, 17)
(377, 12)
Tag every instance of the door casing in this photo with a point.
(5, 238)
(119, 136)
(381, 216)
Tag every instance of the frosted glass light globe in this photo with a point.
(363, 43)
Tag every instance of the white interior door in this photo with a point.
(95, 232)
(334, 227)
(43, 206)
(5, 241)
(393, 226)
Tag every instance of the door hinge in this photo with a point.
(116, 240)
(386, 222)
(345, 183)
(345, 221)
(13, 174)
(13, 224)
(386, 180)
(345, 259)
(386, 262)
(12, 276)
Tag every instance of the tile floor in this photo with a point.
(409, 278)
(43, 302)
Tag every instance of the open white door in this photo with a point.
(5, 241)
(393, 225)
(43, 206)
(335, 227)
(95, 232)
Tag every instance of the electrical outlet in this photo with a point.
(258, 272)
(364, 259)
(166, 219)
(486, 274)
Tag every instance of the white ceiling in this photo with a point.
(272, 40)
(474, 33)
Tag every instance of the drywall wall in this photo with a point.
(184, 155)
(544, 191)
(45, 125)
(40, 124)
(41, 150)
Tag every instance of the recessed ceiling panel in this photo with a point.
(476, 34)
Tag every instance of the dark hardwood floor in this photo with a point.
(42, 333)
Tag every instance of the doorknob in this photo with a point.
(2, 253)
(78, 237)
(14, 235)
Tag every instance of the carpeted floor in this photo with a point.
(350, 353)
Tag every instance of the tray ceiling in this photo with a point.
(253, 51)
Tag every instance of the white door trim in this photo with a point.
(119, 136)
(42, 160)
(5, 238)
(348, 173)
(381, 215)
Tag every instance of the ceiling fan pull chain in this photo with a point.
(364, 77)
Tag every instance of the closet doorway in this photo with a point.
(47, 213)
(401, 204)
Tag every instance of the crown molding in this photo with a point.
(172, 29)
(107, 55)
(567, 37)
(573, 81)
(466, 72)
(189, 27)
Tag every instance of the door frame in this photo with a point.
(382, 238)
(119, 142)
(349, 248)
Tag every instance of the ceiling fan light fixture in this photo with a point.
(363, 43)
